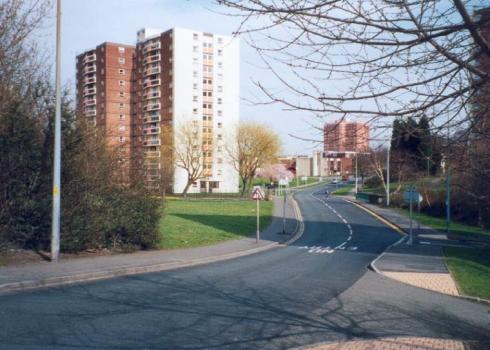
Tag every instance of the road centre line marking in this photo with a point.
(341, 246)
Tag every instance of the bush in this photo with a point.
(373, 182)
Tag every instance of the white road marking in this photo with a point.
(342, 245)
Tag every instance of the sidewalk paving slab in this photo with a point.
(419, 265)
(43, 274)
(401, 343)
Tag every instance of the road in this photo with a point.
(318, 289)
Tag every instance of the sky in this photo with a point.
(88, 23)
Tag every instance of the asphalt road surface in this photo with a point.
(318, 289)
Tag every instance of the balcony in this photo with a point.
(152, 70)
(90, 80)
(151, 46)
(152, 142)
(151, 131)
(151, 94)
(151, 83)
(90, 58)
(89, 91)
(89, 101)
(91, 113)
(151, 107)
(89, 69)
(152, 59)
(152, 119)
(152, 154)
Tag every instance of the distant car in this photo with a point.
(335, 182)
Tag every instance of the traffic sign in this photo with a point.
(257, 193)
(411, 195)
(283, 182)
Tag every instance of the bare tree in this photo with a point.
(389, 58)
(188, 152)
(253, 146)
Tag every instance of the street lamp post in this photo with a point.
(55, 223)
(388, 176)
(356, 173)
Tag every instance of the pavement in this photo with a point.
(315, 290)
(47, 274)
(420, 264)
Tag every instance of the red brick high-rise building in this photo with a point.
(104, 87)
(341, 141)
(346, 137)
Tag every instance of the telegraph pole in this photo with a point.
(55, 223)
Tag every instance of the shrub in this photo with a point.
(373, 182)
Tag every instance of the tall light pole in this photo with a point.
(55, 223)
(388, 176)
(356, 172)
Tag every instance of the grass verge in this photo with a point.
(193, 223)
(470, 267)
(343, 191)
(440, 224)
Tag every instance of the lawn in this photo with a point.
(470, 267)
(440, 224)
(343, 191)
(192, 223)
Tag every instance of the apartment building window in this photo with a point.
(122, 60)
(220, 148)
(194, 49)
(220, 137)
(121, 106)
(122, 128)
(121, 49)
(220, 52)
(195, 36)
(220, 113)
(122, 117)
(121, 139)
(220, 88)
(220, 76)
(194, 98)
(220, 160)
(220, 101)
(122, 71)
(122, 83)
(194, 86)
(194, 110)
(220, 125)
(102, 71)
(220, 40)
(121, 94)
(220, 65)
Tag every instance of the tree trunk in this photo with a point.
(186, 188)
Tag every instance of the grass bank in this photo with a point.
(343, 191)
(193, 223)
(440, 224)
(470, 267)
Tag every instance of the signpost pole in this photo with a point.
(258, 223)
